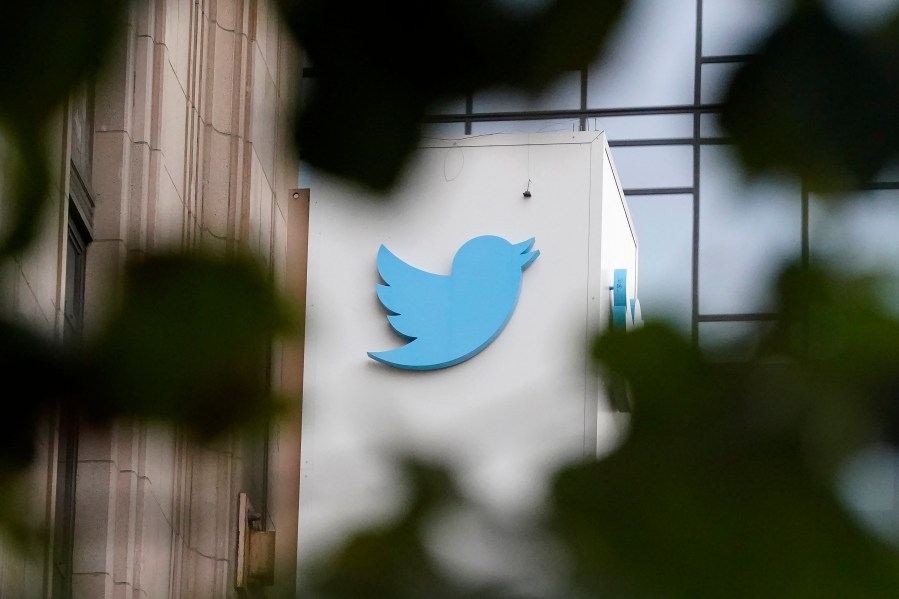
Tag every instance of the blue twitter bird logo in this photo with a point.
(450, 318)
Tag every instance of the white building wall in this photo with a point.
(507, 416)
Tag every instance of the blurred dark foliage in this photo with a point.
(392, 560)
(379, 68)
(818, 100)
(724, 487)
(186, 343)
(395, 559)
(189, 343)
(51, 47)
(726, 484)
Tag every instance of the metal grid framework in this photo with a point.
(695, 141)
(697, 109)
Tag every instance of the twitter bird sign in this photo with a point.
(448, 319)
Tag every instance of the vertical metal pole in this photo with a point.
(583, 119)
(805, 325)
(805, 240)
(697, 114)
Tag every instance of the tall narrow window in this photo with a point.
(67, 453)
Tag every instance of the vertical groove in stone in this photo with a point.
(244, 121)
(181, 499)
(154, 133)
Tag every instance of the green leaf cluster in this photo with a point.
(725, 485)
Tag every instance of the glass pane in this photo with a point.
(524, 126)
(71, 320)
(889, 173)
(654, 166)
(746, 232)
(862, 15)
(307, 89)
(441, 130)
(650, 58)
(867, 484)
(710, 125)
(650, 126)
(450, 106)
(859, 234)
(731, 341)
(736, 26)
(305, 176)
(861, 230)
(564, 94)
(82, 119)
(716, 79)
(665, 231)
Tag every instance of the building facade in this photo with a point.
(710, 241)
(181, 142)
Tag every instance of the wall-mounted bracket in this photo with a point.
(255, 564)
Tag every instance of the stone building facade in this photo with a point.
(182, 141)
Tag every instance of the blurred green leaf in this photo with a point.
(379, 68)
(51, 46)
(38, 374)
(814, 102)
(56, 45)
(391, 559)
(189, 342)
(28, 193)
(647, 523)
(844, 344)
(717, 491)
(724, 485)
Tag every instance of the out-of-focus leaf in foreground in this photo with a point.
(29, 364)
(56, 44)
(51, 46)
(38, 374)
(189, 343)
(186, 345)
(379, 68)
(815, 101)
(395, 558)
(392, 560)
(725, 486)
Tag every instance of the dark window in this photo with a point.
(67, 452)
